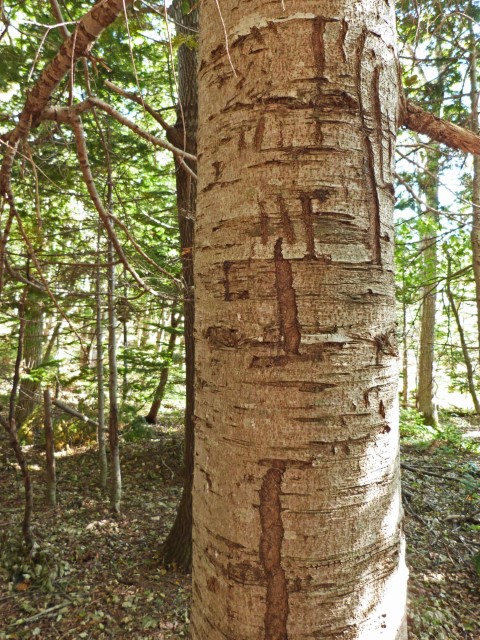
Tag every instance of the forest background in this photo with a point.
(94, 258)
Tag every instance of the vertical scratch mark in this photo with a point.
(259, 133)
(318, 45)
(226, 283)
(241, 140)
(272, 533)
(287, 303)
(307, 216)
(377, 107)
(375, 210)
(369, 159)
(287, 225)
(343, 38)
(263, 222)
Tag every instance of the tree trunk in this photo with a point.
(113, 423)
(151, 418)
(102, 451)
(177, 548)
(404, 358)
(425, 392)
(297, 508)
(463, 343)
(51, 486)
(32, 358)
(11, 428)
(475, 233)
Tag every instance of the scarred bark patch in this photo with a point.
(287, 302)
(277, 609)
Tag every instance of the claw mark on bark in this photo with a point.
(307, 216)
(263, 222)
(318, 45)
(226, 283)
(375, 210)
(287, 303)
(369, 161)
(343, 37)
(277, 608)
(287, 225)
(242, 144)
(377, 114)
(259, 133)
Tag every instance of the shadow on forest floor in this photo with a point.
(112, 587)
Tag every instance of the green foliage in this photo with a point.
(138, 429)
(447, 434)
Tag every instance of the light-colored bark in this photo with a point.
(102, 450)
(404, 358)
(51, 484)
(425, 389)
(297, 508)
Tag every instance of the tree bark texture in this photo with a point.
(51, 485)
(177, 548)
(297, 508)
(425, 391)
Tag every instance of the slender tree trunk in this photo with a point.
(463, 343)
(32, 358)
(475, 233)
(51, 487)
(297, 507)
(113, 423)
(124, 321)
(102, 451)
(177, 548)
(425, 392)
(404, 358)
(151, 417)
(11, 428)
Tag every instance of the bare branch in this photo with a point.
(82, 153)
(88, 29)
(69, 114)
(140, 100)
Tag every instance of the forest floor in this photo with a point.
(98, 577)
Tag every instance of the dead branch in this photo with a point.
(82, 153)
(416, 119)
(68, 115)
(73, 412)
(170, 129)
(79, 44)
